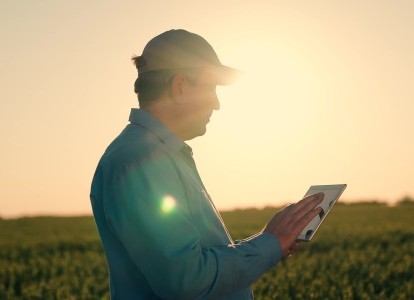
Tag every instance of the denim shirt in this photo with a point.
(162, 235)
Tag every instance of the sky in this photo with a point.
(326, 97)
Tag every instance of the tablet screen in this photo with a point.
(332, 193)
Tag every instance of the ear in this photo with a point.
(179, 85)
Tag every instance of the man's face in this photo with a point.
(200, 102)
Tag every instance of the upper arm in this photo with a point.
(149, 214)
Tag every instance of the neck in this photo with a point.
(166, 112)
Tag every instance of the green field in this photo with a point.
(362, 251)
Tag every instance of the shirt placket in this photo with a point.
(188, 156)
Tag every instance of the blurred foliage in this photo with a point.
(52, 258)
(407, 200)
(362, 251)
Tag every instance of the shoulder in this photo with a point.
(134, 146)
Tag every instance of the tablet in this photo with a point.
(332, 193)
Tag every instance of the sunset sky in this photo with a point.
(327, 97)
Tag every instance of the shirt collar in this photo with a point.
(145, 119)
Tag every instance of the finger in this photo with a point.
(289, 206)
(294, 247)
(308, 200)
(307, 204)
(292, 214)
(284, 210)
(312, 198)
(308, 217)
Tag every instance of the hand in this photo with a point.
(288, 223)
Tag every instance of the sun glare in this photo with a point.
(168, 204)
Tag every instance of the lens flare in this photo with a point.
(168, 204)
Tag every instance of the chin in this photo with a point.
(197, 133)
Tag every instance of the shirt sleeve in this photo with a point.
(148, 211)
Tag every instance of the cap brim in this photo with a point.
(225, 75)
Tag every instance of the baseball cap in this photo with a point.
(181, 49)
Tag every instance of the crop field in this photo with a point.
(362, 251)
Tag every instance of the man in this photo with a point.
(162, 235)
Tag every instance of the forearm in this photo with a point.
(168, 248)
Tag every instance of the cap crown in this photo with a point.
(175, 49)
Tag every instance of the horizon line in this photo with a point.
(261, 207)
